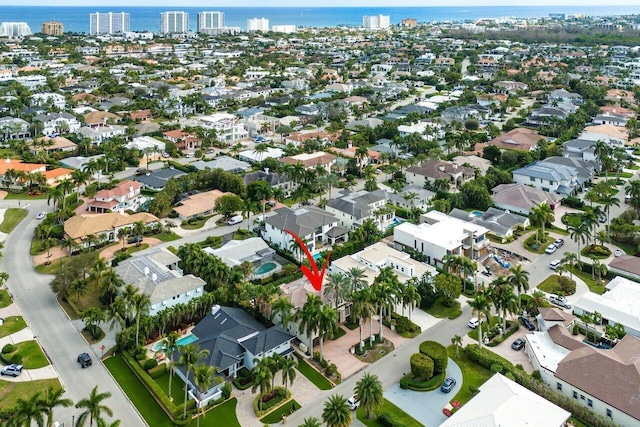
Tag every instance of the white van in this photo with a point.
(235, 220)
(559, 301)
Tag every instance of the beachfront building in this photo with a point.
(257, 24)
(174, 22)
(376, 22)
(109, 23)
(52, 28)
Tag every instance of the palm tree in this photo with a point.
(262, 376)
(28, 411)
(327, 324)
(138, 230)
(633, 190)
(571, 260)
(362, 309)
(336, 412)
(409, 295)
(123, 233)
(480, 308)
(308, 317)
(141, 304)
(93, 407)
(540, 215)
(203, 375)
(311, 422)
(579, 234)
(609, 200)
(56, 194)
(519, 279)
(189, 357)
(53, 399)
(368, 392)
(356, 278)
(171, 346)
(284, 307)
(337, 285)
(288, 367)
(383, 292)
(110, 283)
(457, 341)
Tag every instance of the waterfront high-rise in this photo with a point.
(376, 22)
(210, 22)
(174, 22)
(14, 29)
(52, 28)
(109, 23)
(258, 24)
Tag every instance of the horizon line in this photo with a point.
(570, 4)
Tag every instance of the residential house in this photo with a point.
(314, 226)
(100, 134)
(58, 123)
(13, 128)
(226, 163)
(576, 370)
(522, 198)
(441, 235)
(53, 177)
(432, 170)
(198, 205)
(587, 169)
(548, 113)
(509, 87)
(234, 341)
(95, 119)
(299, 138)
(228, 127)
(254, 156)
(562, 96)
(430, 131)
(520, 139)
(58, 144)
(581, 149)
(253, 250)
(353, 208)
(144, 143)
(158, 275)
(626, 265)
(547, 318)
(411, 197)
(548, 176)
(479, 164)
(312, 160)
(499, 222)
(610, 119)
(56, 100)
(275, 180)
(124, 196)
(13, 165)
(503, 402)
(185, 142)
(103, 227)
(614, 136)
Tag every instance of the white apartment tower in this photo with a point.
(376, 22)
(210, 22)
(14, 29)
(109, 23)
(174, 22)
(258, 24)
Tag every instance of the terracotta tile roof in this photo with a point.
(99, 117)
(561, 336)
(57, 173)
(81, 225)
(119, 190)
(517, 139)
(199, 204)
(18, 165)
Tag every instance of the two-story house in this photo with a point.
(228, 127)
(432, 170)
(124, 196)
(548, 176)
(58, 123)
(352, 208)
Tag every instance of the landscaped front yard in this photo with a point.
(10, 392)
(312, 375)
(12, 217)
(473, 375)
(31, 353)
(388, 408)
(12, 325)
(441, 310)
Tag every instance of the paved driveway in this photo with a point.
(426, 407)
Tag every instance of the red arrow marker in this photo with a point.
(315, 277)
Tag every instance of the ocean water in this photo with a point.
(76, 19)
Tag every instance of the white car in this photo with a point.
(41, 215)
(353, 403)
(617, 252)
(473, 323)
(554, 264)
(550, 249)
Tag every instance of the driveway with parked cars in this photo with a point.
(426, 407)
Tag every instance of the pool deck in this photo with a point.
(157, 353)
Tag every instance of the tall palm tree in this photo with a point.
(141, 304)
(571, 260)
(480, 308)
(311, 422)
(284, 307)
(53, 399)
(410, 297)
(336, 286)
(356, 278)
(327, 324)
(261, 376)
(457, 341)
(336, 412)
(28, 411)
(519, 279)
(93, 407)
(308, 317)
(633, 190)
(368, 392)
(288, 367)
(171, 346)
(383, 292)
(203, 375)
(362, 309)
(540, 215)
(189, 357)
(609, 200)
(579, 234)
(110, 283)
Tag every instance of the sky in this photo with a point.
(314, 3)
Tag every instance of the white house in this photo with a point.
(98, 135)
(352, 208)
(124, 196)
(548, 176)
(158, 275)
(441, 235)
(43, 99)
(430, 131)
(58, 123)
(228, 127)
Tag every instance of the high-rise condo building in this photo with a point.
(258, 24)
(14, 29)
(174, 22)
(210, 22)
(376, 22)
(109, 23)
(52, 28)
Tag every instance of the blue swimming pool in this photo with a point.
(187, 339)
(265, 268)
(477, 214)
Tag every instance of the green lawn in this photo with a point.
(195, 224)
(530, 243)
(314, 376)
(12, 217)
(387, 408)
(593, 285)
(626, 175)
(166, 236)
(5, 299)
(177, 387)
(24, 196)
(12, 325)
(628, 248)
(32, 355)
(154, 415)
(472, 375)
(276, 416)
(441, 311)
(10, 392)
(550, 284)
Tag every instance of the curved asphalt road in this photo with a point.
(57, 336)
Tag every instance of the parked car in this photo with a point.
(353, 403)
(12, 370)
(559, 300)
(165, 155)
(237, 219)
(487, 271)
(527, 323)
(550, 249)
(41, 215)
(518, 344)
(271, 203)
(554, 264)
(617, 252)
(558, 242)
(190, 155)
(448, 385)
(602, 219)
(135, 239)
(473, 323)
(85, 360)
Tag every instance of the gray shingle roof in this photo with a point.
(302, 221)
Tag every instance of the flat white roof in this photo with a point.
(621, 302)
(548, 353)
(439, 234)
(450, 221)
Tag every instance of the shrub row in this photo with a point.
(8, 358)
(389, 420)
(158, 371)
(486, 358)
(242, 383)
(510, 331)
(9, 348)
(409, 382)
(438, 353)
(283, 396)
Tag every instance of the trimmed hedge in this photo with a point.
(150, 364)
(283, 397)
(455, 314)
(422, 366)
(487, 358)
(389, 420)
(9, 348)
(409, 382)
(158, 371)
(438, 353)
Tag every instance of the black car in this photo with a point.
(136, 239)
(527, 323)
(85, 360)
(518, 344)
(487, 271)
(447, 385)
